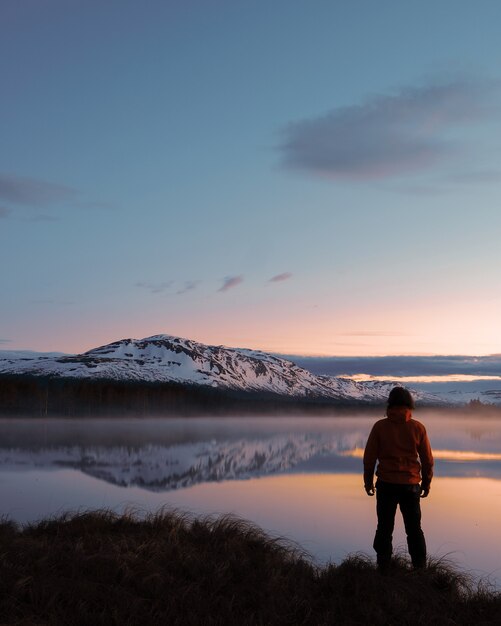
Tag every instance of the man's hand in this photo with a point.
(369, 490)
(425, 491)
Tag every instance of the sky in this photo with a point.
(303, 177)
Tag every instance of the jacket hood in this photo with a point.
(399, 414)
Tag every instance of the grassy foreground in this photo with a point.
(102, 568)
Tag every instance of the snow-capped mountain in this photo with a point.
(163, 358)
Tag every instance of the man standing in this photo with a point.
(402, 448)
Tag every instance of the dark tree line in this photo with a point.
(52, 396)
(40, 396)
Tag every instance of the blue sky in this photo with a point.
(302, 177)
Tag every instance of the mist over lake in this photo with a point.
(295, 476)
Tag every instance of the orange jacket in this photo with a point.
(396, 442)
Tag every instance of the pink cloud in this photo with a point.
(155, 287)
(280, 277)
(189, 285)
(230, 282)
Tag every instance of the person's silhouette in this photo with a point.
(400, 446)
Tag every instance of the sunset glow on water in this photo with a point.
(443, 455)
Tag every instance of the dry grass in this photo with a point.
(101, 568)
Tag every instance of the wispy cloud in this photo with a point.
(33, 192)
(189, 285)
(373, 333)
(231, 281)
(34, 195)
(388, 135)
(280, 277)
(155, 287)
(169, 285)
(51, 301)
(5, 340)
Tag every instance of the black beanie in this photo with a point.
(399, 396)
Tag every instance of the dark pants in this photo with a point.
(388, 496)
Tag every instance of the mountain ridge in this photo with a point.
(168, 359)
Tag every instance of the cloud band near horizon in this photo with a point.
(401, 365)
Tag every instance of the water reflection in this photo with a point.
(299, 477)
(161, 455)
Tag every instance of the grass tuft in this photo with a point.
(98, 567)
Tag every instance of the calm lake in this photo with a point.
(298, 477)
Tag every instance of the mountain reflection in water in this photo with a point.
(161, 455)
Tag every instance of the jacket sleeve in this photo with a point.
(370, 457)
(426, 458)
